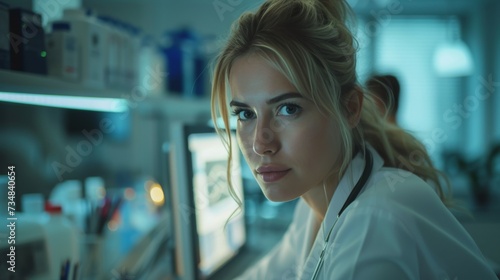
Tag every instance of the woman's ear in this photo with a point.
(354, 105)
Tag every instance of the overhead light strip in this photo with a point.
(114, 105)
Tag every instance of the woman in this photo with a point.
(308, 131)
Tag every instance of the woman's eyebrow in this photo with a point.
(238, 104)
(273, 100)
(284, 96)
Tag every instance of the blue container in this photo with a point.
(185, 64)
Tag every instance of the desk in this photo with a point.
(149, 258)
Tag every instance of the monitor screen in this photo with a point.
(202, 203)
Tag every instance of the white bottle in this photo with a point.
(60, 237)
(133, 49)
(31, 248)
(68, 194)
(90, 37)
(151, 73)
(62, 242)
(110, 52)
(63, 51)
(125, 55)
(31, 239)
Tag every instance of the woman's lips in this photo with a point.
(271, 174)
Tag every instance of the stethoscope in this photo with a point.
(352, 196)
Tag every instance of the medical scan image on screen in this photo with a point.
(213, 203)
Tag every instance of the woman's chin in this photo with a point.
(276, 195)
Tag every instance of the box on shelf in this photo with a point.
(27, 42)
(4, 37)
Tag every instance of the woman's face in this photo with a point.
(288, 144)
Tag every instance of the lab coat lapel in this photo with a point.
(309, 238)
(351, 176)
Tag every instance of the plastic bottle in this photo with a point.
(90, 36)
(151, 67)
(186, 61)
(179, 49)
(57, 240)
(62, 50)
(130, 53)
(68, 194)
(111, 53)
(31, 249)
(63, 243)
(136, 38)
(32, 238)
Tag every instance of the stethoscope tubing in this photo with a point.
(352, 196)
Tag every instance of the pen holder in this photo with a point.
(92, 258)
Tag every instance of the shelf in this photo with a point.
(164, 104)
(20, 82)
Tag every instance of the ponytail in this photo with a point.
(399, 149)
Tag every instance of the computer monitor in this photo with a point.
(207, 232)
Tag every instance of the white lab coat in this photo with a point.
(397, 228)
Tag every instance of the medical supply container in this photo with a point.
(62, 50)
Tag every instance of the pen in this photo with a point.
(64, 270)
(67, 270)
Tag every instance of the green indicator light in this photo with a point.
(43, 54)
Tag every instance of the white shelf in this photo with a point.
(20, 82)
(166, 104)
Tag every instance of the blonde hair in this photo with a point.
(309, 42)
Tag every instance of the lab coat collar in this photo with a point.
(346, 184)
(344, 188)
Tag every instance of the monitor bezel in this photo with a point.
(186, 234)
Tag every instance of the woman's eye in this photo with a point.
(243, 115)
(288, 110)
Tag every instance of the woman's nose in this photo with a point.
(266, 140)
